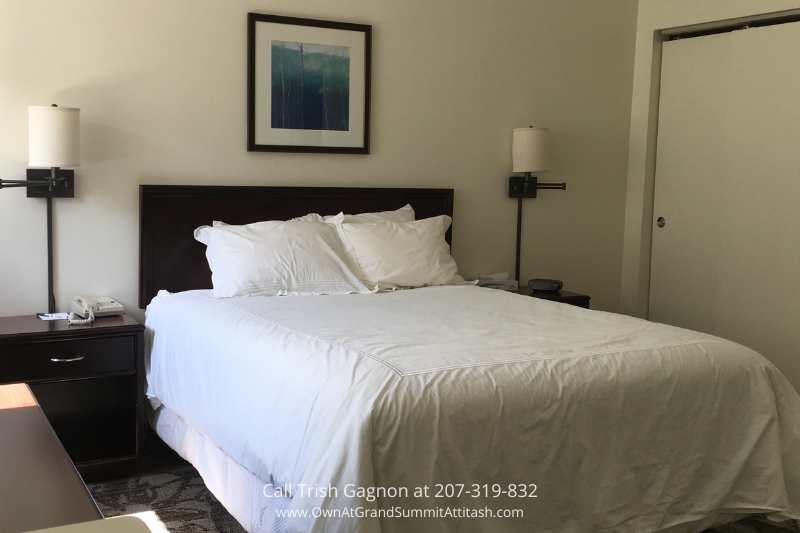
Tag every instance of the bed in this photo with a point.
(451, 408)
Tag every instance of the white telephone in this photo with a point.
(84, 306)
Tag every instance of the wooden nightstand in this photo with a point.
(571, 298)
(89, 381)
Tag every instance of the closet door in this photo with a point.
(727, 260)
(690, 163)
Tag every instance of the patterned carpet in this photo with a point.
(179, 500)
(169, 489)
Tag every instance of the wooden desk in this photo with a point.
(39, 486)
(118, 524)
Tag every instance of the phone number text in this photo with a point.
(513, 490)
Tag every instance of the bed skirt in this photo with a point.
(244, 495)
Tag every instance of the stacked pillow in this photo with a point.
(340, 254)
(393, 255)
(275, 258)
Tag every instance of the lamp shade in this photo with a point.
(530, 151)
(54, 136)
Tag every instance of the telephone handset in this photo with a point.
(88, 308)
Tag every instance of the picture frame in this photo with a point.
(308, 85)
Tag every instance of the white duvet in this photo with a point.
(623, 425)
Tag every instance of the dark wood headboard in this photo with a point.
(170, 258)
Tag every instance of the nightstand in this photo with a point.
(88, 380)
(571, 298)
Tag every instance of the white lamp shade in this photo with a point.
(530, 150)
(54, 136)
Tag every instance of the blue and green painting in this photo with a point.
(310, 86)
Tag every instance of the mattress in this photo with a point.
(604, 422)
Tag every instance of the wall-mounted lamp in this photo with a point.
(53, 143)
(530, 152)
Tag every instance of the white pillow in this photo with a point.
(404, 214)
(409, 254)
(199, 235)
(311, 217)
(276, 258)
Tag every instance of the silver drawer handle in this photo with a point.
(57, 360)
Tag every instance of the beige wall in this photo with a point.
(655, 16)
(161, 86)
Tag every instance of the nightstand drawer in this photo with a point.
(66, 359)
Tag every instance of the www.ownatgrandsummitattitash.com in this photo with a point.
(400, 512)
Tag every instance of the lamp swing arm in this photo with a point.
(49, 182)
(527, 185)
(561, 186)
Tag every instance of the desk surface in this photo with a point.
(39, 486)
(119, 524)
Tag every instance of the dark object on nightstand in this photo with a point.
(540, 284)
(89, 381)
(39, 486)
(571, 298)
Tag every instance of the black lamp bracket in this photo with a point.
(527, 185)
(41, 184)
(47, 183)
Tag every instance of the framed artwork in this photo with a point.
(308, 85)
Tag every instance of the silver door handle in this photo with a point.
(57, 360)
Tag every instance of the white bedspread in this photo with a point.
(624, 425)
